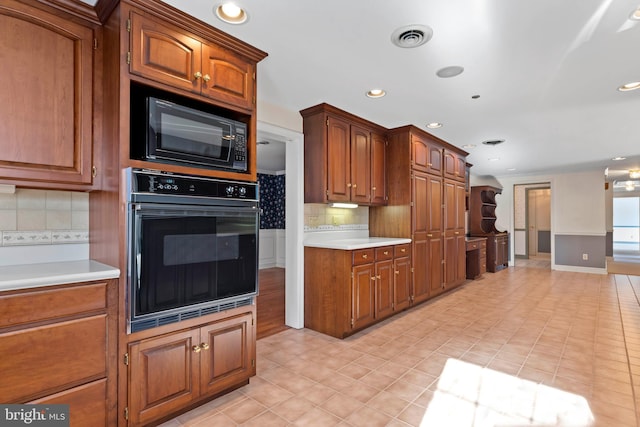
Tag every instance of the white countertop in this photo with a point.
(54, 273)
(356, 243)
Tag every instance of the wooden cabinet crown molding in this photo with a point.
(331, 110)
(193, 26)
(76, 8)
(414, 130)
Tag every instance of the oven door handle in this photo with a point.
(138, 264)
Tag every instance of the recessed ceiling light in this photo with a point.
(434, 125)
(231, 13)
(411, 36)
(494, 159)
(376, 93)
(634, 174)
(618, 158)
(468, 146)
(629, 86)
(635, 15)
(451, 71)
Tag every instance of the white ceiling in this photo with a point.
(547, 72)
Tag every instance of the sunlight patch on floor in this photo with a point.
(470, 395)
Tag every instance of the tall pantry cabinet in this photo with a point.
(426, 203)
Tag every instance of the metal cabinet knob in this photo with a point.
(206, 77)
(197, 75)
(196, 349)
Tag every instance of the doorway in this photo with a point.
(287, 248)
(532, 221)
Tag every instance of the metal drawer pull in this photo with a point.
(365, 256)
(386, 252)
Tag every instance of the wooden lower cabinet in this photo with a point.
(57, 344)
(346, 291)
(476, 257)
(86, 403)
(171, 372)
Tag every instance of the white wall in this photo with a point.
(272, 248)
(288, 125)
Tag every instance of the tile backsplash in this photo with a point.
(41, 217)
(318, 216)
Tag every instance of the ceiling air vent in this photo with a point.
(411, 36)
(493, 141)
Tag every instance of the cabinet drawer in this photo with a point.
(46, 359)
(19, 308)
(483, 243)
(87, 403)
(473, 245)
(385, 252)
(401, 250)
(363, 256)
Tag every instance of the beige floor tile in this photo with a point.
(573, 333)
(317, 417)
(293, 408)
(341, 405)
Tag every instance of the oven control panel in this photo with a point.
(155, 182)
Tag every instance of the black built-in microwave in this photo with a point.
(185, 133)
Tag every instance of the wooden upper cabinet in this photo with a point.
(344, 158)
(168, 54)
(378, 169)
(231, 79)
(338, 160)
(360, 165)
(164, 53)
(425, 155)
(454, 166)
(46, 99)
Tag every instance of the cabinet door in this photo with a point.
(163, 375)
(338, 160)
(363, 296)
(454, 166)
(384, 289)
(427, 223)
(426, 156)
(401, 283)
(455, 260)
(454, 206)
(164, 53)
(227, 77)
(46, 99)
(360, 165)
(378, 169)
(226, 353)
(434, 265)
(421, 268)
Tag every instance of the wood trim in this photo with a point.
(424, 134)
(330, 109)
(196, 27)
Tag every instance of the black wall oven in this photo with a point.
(193, 247)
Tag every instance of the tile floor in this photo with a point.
(524, 346)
